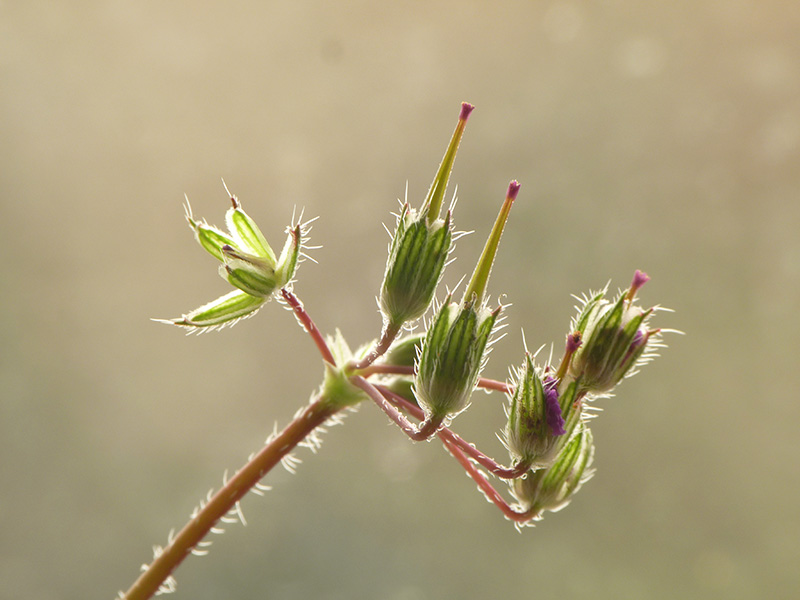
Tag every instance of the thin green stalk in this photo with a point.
(480, 277)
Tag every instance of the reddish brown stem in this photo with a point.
(495, 468)
(483, 382)
(501, 471)
(388, 335)
(492, 384)
(423, 431)
(486, 487)
(387, 370)
(308, 325)
(314, 415)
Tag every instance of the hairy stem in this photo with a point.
(308, 325)
(314, 415)
(453, 444)
(388, 335)
(483, 382)
(423, 431)
(493, 384)
(486, 487)
(503, 472)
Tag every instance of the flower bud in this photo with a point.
(452, 357)
(614, 337)
(552, 488)
(535, 420)
(420, 246)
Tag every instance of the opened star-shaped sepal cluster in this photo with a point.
(248, 263)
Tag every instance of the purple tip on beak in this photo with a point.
(513, 190)
(573, 342)
(466, 109)
(639, 279)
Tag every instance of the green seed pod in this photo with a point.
(552, 488)
(454, 350)
(209, 237)
(247, 233)
(290, 256)
(404, 352)
(416, 262)
(420, 245)
(452, 358)
(614, 338)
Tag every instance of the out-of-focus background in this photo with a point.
(659, 136)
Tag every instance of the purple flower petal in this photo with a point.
(552, 408)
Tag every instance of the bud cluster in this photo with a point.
(547, 431)
(547, 416)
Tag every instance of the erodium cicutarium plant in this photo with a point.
(420, 378)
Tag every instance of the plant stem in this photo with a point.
(488, 490)
(308, 325)
(453, 444)
(503, 472)
(314, 415)
(493, 384)
(423, 431)
(388, 335)
(387, 370)
(483, 382)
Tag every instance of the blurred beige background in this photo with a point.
(663, 136)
